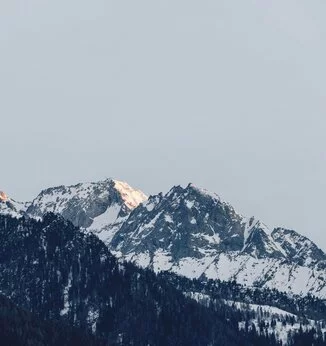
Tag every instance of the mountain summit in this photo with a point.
(3, 197)
(194, 233)
(100, 207)
(11, 207)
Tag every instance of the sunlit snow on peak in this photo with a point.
(3, 197)
(131, 197)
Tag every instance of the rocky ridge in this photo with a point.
(188, 231)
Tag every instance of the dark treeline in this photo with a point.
(19, 327)
(59, 273)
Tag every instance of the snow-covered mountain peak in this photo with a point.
(100, 206)
(56, 199)
(252, 224)
(192, 195)
(153, 201)
(191, 190)
(186, 224)
(3, 197)
(192, 232)
(11, 207)
(258, 240)
(131, 197)
(204, 192)
(299, 248)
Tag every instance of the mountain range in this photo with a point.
(102, 258)
(188, 231)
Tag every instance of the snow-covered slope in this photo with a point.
(100, 207)
(192, 232)
(271, 320)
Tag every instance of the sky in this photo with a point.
(228, 95)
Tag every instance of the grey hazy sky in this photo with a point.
(229, 95)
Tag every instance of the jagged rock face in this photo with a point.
(185, 222)
(100, 207)
(259, 242)
(300, 249)
(193, 223)
(194, 233)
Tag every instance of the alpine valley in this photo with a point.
(103, 263)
